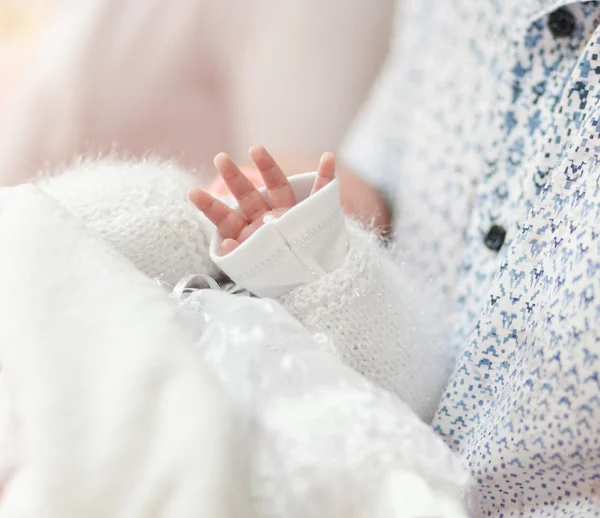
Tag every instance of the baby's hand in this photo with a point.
(233, 226)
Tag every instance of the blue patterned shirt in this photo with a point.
(484, 133)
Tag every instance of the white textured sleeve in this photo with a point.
(378, 322)
(339, 280)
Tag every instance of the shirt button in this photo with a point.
(495, 238)
(561, 23)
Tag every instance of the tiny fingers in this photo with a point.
(280, 191)
(229, 245)
(251, 202)
(325, 172)
(229, 223)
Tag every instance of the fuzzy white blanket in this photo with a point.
(116, 415)
(121, 410)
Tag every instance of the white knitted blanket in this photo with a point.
(128, 403)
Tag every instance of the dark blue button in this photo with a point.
(494, 239)
(561, 23)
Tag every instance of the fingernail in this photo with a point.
(219, 157)
(228, 245)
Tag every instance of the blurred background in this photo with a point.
(20, 28)
(184, 79)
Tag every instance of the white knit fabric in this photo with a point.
(142, 210)
(379, 321)
(350, 289)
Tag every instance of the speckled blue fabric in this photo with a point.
(485, 116)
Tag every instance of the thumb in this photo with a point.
(325, 172)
